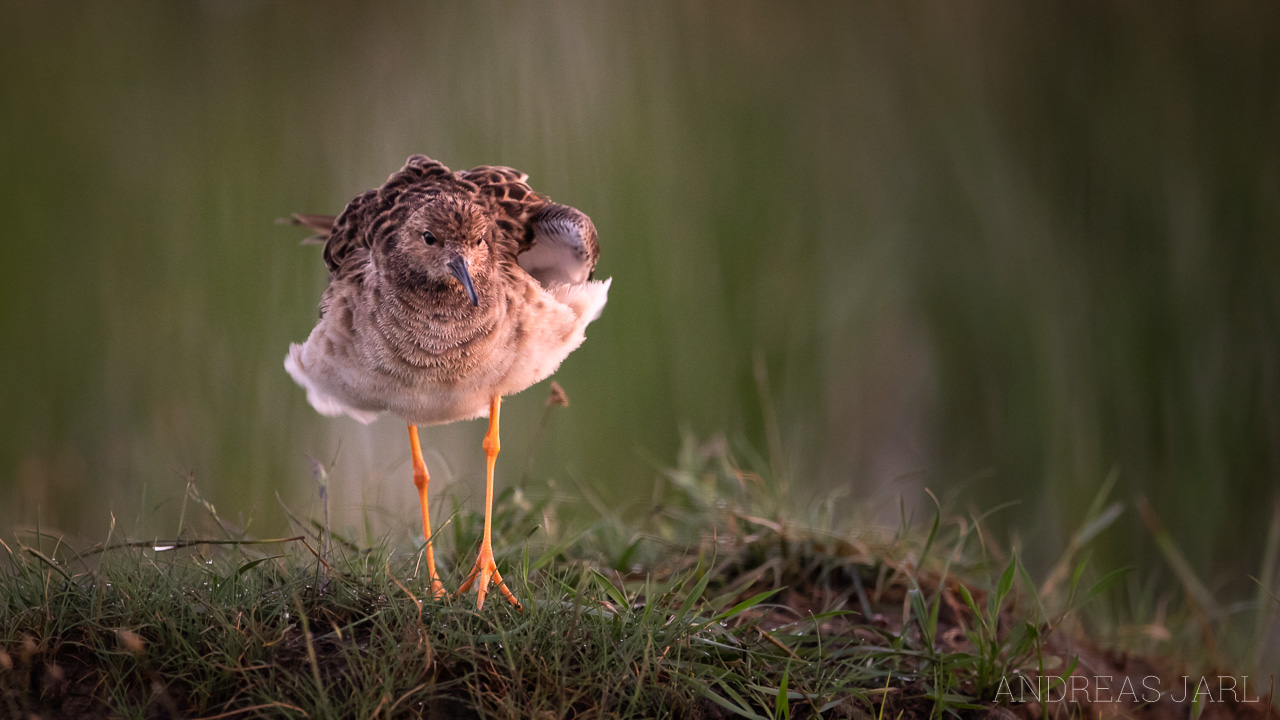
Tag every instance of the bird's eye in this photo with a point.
(428, 238)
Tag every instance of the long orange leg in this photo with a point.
(486, 569)
(421, 479)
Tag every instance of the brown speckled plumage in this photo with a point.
(398, 331)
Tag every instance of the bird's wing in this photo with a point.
(504, 192)
(563, 247)
(494, 175)
(554, 243)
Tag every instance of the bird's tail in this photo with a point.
(321, 224)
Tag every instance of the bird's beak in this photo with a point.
(458, 268)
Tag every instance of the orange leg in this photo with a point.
(420, 479)
(486, 569)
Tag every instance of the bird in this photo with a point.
(447, 291)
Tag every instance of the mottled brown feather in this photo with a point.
(517, 209)
(391, 338)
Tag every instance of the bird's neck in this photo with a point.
(434, 316)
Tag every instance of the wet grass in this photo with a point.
(713, 601)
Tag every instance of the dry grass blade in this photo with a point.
(167, 545)
(256, 708)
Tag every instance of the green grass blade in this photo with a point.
(1186, 575)
(253, 564)
(743, 708)
(618, 598)
(694, 595)
(747, 604)
(996, 601)
(1105, 582)
(782, 707)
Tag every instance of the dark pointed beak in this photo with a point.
(458, 268)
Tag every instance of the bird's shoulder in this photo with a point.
(552, 242)
(505, 195)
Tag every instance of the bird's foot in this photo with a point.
(486, 571)
(437, 588)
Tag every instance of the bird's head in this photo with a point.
(444, 243)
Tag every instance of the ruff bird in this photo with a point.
(447, 291)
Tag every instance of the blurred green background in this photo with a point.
(998, 251)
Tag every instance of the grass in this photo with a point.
(714, 601)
